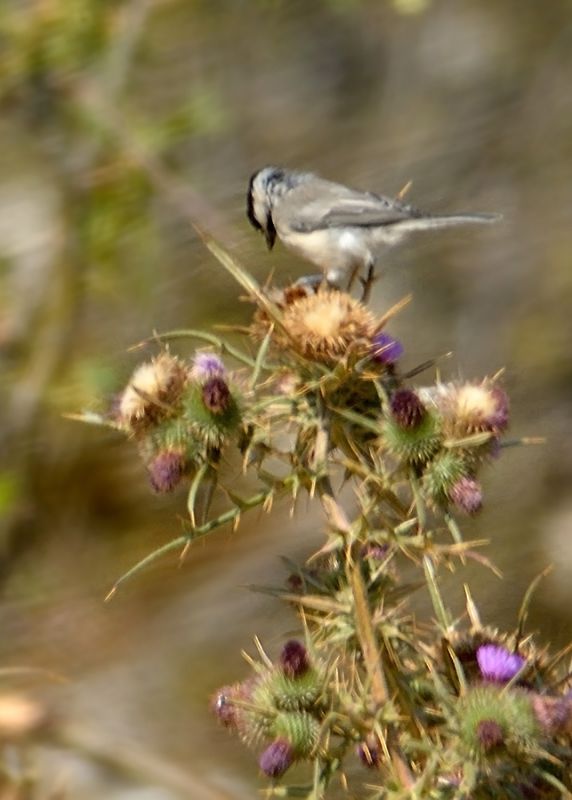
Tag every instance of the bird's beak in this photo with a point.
(270, 234)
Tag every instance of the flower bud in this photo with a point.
(294, 659)
(296, 685)
(467, 495)
(277, 758)
(443, 472)
(216, 395)
(490, 735)
(299, 729)
(407, 409)
(166, 470)
(409, 431)
(489, 717)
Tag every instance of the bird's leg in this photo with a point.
(353, 276)
(368, 281)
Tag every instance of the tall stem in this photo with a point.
(365, 630)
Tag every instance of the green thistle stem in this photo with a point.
(182, 541)
(188, 333)
(364, 625)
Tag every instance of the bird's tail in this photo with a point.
(423, 223)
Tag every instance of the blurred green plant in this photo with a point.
(447, 708)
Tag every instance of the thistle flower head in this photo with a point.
(490, 718)
(287, 295)
(407, 409)
(300, 729)
(385, 349)
(277, 758)
(294, 659)
(490, 735)
(482, 407)
(466, 494)
(326, 326)
(497, 664)
(166, 470)
(152, 387)
(409, 432)
(216, 394)
(207, 365)
(295, 686)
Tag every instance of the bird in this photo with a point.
(339, 229)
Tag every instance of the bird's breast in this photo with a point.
(327, 248)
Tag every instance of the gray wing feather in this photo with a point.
(322, 204)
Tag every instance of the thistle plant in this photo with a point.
(368, 699)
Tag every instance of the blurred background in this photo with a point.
(119, 121)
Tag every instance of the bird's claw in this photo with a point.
(367, 283)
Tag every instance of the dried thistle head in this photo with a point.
(152, 389)
(470, 407)
(324, 326)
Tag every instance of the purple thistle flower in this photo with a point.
(498, 664)
(207, 365)
(294, 659)
(407, 409)
(276, 759)
(490, 734)
(386, 349)
(467, 495)
(216, 395)
(166, 470)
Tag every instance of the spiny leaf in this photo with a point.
(92, 418)
(189, 333)
(523, 612)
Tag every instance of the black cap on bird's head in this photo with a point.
(259, 203)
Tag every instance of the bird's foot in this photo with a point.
(315, 282)
(367, 283)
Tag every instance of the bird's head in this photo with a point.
(265, 185)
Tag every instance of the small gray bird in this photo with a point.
(337, 228)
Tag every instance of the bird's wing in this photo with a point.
(322, 204)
